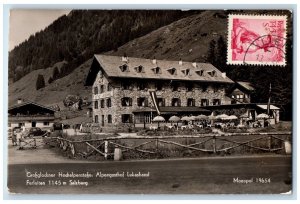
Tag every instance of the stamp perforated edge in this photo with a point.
(254, 16)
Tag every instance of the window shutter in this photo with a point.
(146, 102)
(179, 102)
(130, 101)
(130, 118)
(194, 102)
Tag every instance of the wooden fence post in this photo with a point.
(214, 144)
(105, 149)
(270, 143)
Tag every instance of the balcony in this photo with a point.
(30, 118)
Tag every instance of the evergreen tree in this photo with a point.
(50, 80)
(211, 52)
(40, 82)
(55, 74)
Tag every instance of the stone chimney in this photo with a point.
(154, 61)
(224, 75)
(194, 64)
(125, 58)
(20, 100)
(180, 62)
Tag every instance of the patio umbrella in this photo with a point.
(245, 115)
(185, 118)
(211, 117)
(232, 117)
(202, 117)
(192, 118)
(262, 116)
(222, 116)
(174, 118)
(158, 119)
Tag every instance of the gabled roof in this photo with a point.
(29, 103)
(111, 64)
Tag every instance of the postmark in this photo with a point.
(256, 40)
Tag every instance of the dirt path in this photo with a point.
(38, 155)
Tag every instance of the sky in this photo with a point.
(23, 23)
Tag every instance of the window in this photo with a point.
(95, 104)
(204, 87)
(157, 70)
(142, 101)
(102, 121)
(189, 87)
(102, 88)
(109, 87)
(108, 102)
(46, 123)
(126, 101)
(9, 124)
(190, 102)
(159, 86)
(109, 119)
(126, 118)
(126, 85)
(216, 102)
(141, 86)
(175, 86)
(96, 120)
(172, 71)
(124, 68)
(186, 72)
(175, 102)
(212, 73)
(139, 69)
(200, 72)
(160, 102)
(96, 90)
(204, 102)
(102, 103)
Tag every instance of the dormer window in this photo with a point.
(212, 73)
(139, 69)
(186, 72)
(172, 71)
(124, 68)
(157, 70)
(200, 72)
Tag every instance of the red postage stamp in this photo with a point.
(256, 40)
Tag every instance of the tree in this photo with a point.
(55, 74)
(212, 52)
(50, 80)
(40, 82)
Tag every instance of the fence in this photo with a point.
(174, 146)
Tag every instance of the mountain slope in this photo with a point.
(187, 38)
(187, 33)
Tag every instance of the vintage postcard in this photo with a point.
(150, 102)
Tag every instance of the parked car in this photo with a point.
(35, 131)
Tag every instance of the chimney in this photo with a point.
(20, 100)
(224, 75)
(194, 64)
(180, 62)
(125, 58)
(154, 61)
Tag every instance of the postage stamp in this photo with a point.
(256, 40)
